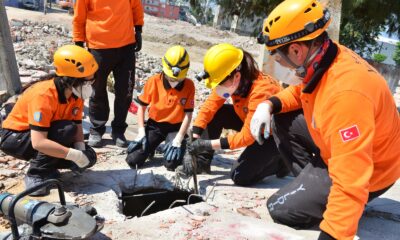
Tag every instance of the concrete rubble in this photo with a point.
(229, 211)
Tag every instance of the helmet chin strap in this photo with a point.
(301, 71)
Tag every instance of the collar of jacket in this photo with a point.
(325, 63)
(166, 85)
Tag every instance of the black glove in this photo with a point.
(91, 155)
(174, 154)
(199, 145)
(324, 236)
(138, 37)
(80, 44)
(137, 145)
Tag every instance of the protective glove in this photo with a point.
(261, 120)
(140, 141)
(80, 44)
(138, 37)
(199, 145)
(82, 158)
(174, 150)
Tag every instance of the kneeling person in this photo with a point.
(170, 96)
(45, 125)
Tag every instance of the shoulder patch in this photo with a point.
(349, 133)
(37, 116)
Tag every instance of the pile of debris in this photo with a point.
(11, 171)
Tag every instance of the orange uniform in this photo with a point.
(40, 105)
(262, 88)
(106, 24)
(167, 104)
(352, 118)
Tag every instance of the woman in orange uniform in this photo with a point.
(45, 125)
(232, 73)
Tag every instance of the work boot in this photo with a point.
(31, 181)
(119, 139)
(95, 140)
(186, 169)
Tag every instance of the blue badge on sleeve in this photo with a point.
(37, 116)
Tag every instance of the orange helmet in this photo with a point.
(74, 61)
(293, 21)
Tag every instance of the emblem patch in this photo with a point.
(349, 133)
(183, 101)
(37, 116)
(75, 111)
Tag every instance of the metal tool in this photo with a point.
(46, 220)
(194, 165)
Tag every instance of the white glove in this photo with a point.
(261, 119)
(141, 134)
(77, 157)
(79, 146)
(177, 142)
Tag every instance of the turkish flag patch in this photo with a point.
(349, 133)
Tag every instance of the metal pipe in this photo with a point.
(147, 208)
(191, 195)
(212, 189)
(176, 201)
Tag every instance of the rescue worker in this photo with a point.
(233, 73)
(45, 125)
(112, 32)
(170, 96)
(350, 113)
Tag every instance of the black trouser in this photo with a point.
(156, 133)
(255, 163)
(44, 166)
(293, 140)
(301, 203)
(120, 61)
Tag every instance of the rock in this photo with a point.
(8, 172)
(248, 212)
(45, 29)
(16, 23)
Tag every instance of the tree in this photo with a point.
(201, 11)
(396, 55)
(361, 24)
(364, 20)
(378, 57)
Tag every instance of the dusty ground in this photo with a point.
(230, 212)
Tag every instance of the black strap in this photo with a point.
(179, 62)
(308, 28)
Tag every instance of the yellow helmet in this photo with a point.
(220, 61)
(293, 21)
(176, 62)
(74, 61)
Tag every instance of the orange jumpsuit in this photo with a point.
(352, 118)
